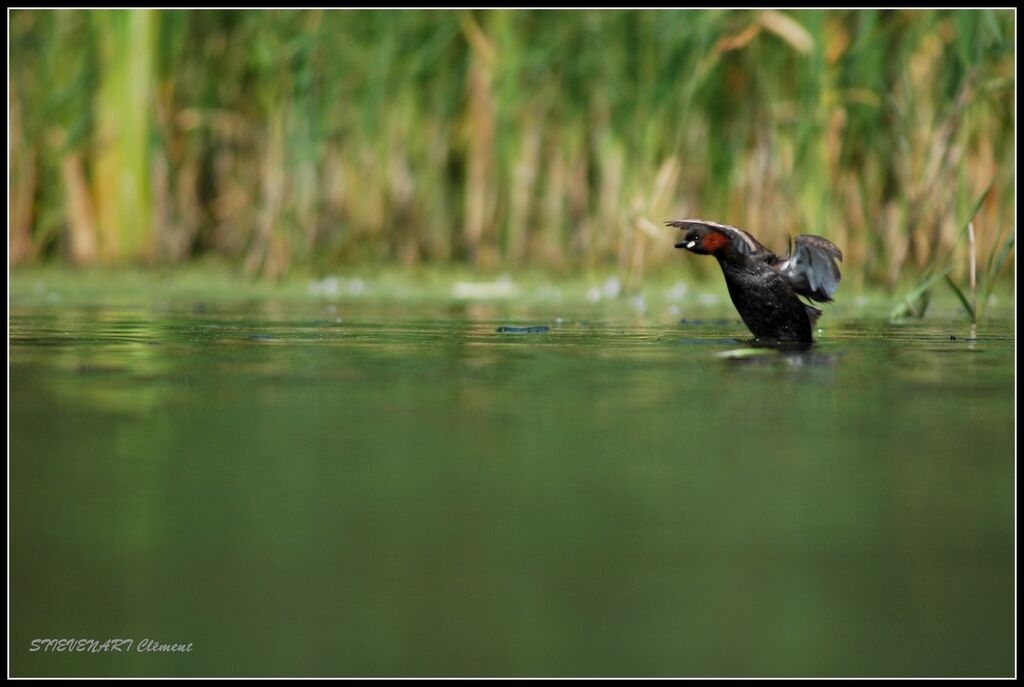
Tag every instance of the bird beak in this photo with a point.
(686, 244)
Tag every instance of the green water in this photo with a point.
(384, 490)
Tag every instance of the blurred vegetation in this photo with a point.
(556, 139)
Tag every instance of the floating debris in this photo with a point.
(704, 342)
(677, 292)
(503, 288)
(708, 299)
(611, 287)
(333, 286)
(540, 329)
(548, 293)
(747, 353)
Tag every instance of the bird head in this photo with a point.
(702, 239)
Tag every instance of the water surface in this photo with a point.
(379, 490)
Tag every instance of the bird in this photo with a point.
(765, 287)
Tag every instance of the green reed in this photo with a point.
(284, 139)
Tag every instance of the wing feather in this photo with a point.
(811, 267)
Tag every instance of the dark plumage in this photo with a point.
(764, 286)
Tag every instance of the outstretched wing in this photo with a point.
(811, 267)
(744, 242)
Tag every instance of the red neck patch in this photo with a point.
(714, 241)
